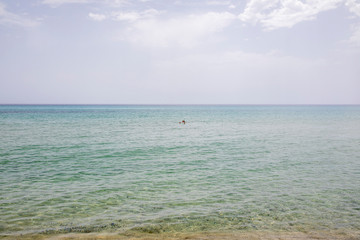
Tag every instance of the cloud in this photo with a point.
(274, 14)
(355, 37)
(134, 16)
(114, 3)
(97, 17)
(125, 16)
(111, 3)
(186, 31)
(8, 18)
(218, 3)
(221, 3)
(353, 6)
(56, 3)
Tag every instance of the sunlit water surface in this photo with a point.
(107, 168)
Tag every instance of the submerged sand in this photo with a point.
(254, 235)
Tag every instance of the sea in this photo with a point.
(139, 168)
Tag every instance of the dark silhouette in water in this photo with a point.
(183, 121)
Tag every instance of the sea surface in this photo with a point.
(104, 168)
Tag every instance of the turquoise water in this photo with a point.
(118, 168)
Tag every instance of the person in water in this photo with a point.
(183, 121)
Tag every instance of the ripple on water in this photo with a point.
(116, 168)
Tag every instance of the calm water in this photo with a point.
(107, 168)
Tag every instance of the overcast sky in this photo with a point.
(180, 51)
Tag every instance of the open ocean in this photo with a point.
(106, 168)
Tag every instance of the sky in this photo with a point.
(179, 52)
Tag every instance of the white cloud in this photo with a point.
(8, 18)
(114, 3)
(217, 3)
(134, 16)
(111, 3)
(56, 3)
(354, 6)
(97, 17)
(273, 14)
(185, 32)
(355, 37)
(126, 16)
(221, 3)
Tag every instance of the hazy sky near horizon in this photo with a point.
(180, 51)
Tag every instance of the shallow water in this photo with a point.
(106, 168)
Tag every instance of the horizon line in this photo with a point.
(179, 104)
